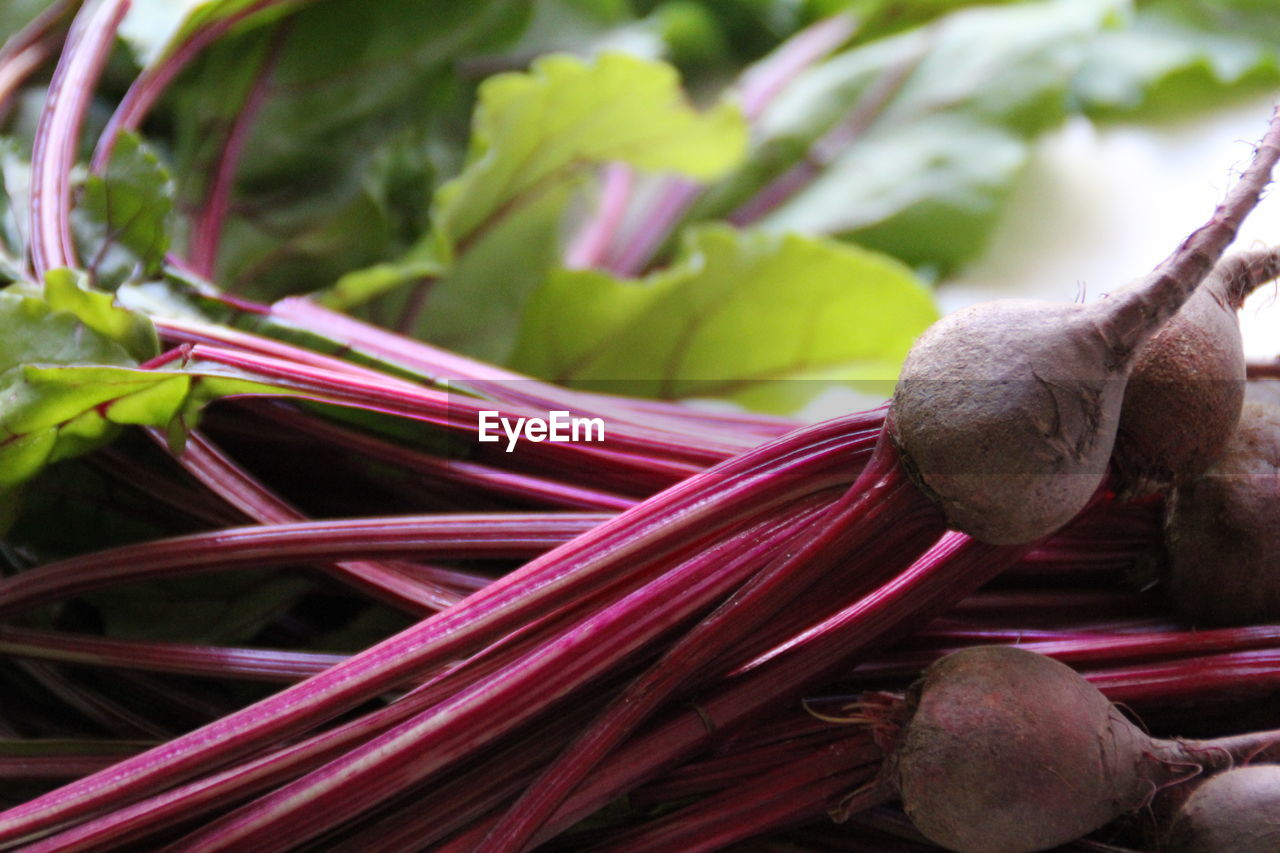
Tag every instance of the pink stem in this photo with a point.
(438, 366)
(503, 385)
(58, 132)
(824, 151)
(952, 568)
(452, 411)
(231, 786)
(633, 541)
(765, 80)
(695, 435)
(795, 793)
(881, 499)
(1092, 650)
(629, 253)
(480, 714)
(588, 246)
(489, 479)
(497, 535)
(387, 582)
(26, 768)
(31, 47)
(204, 661)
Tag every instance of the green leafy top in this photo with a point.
(737, 312)
(123, 217)
(536, 128)
(918, 137)
(1176, 56)
(538, 137)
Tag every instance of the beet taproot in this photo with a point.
(1007, 751)
(1234, 812)
(1006, 412)
(1222, 543)
(1187, 386)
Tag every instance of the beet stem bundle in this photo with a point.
(881, 499)
(647, 533)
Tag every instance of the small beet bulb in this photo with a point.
(1007, 751)
(1222, 542)
(1234, 812)
(1187, 386)
(1006, 413)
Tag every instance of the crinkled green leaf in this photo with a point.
(123, 216)
(150, 405)
(738, 309)
(532, 131)
(66, 290)
(50, 396)
(81, 434)
(537, 135)
(937, 121)
(22, 456)
(33, 333)
(82, 404)
(1179, 55)
(66, 384)
(477, 308)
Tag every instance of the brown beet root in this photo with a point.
(1006, 413)
(1221, 536)
(1007, 751)
(1234, 812)
(1187, 386)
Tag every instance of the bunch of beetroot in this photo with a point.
(647, 625)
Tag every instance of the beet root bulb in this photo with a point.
(1006, 413)
(1234, 812)
(1007, 751)
(1221, 537)
(1187, 385)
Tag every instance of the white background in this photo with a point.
(1099, 206)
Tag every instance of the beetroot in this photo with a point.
(1221, 537)
(1006, 412)
(1186, 389)
(1006, 751)
(1234, 812)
